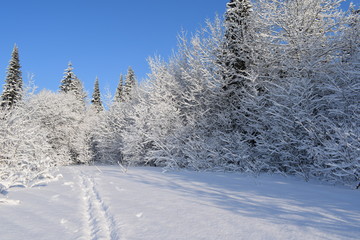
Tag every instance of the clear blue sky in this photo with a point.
(101, 37)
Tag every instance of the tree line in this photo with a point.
(272, 87)
(40, 131)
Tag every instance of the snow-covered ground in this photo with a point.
(146, 203)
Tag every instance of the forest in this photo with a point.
(270, 87)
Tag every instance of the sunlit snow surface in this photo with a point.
(145, 203)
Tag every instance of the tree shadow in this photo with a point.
(274, 198)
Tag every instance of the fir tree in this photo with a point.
(119, 94)
(13, 84)
(96, 99)
(130, 83)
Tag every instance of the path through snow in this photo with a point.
(100, 223)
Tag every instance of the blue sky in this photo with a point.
(101, 38)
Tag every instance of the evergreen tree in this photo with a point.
(67, 83)
(119, 94)
(130, 83)
(79, 91)
(236, 63)
(96, 100)
(72, 84)
(235, 57)
(13, 84)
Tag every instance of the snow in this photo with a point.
(105, 202)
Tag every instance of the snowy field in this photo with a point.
(146, 203)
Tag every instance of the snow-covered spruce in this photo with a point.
(13, 91)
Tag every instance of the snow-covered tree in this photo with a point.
(26, 157)
(67, 83)
(66, 123)
(79, 91)
(119, 94)
(176, 120)
(72, 84)
(235, 51)
(155, 118)
(107, 136)
(339, 121)
(130, 83)
(96, 99)
(238, 60)
(274, 88)
(304, 38)
(13, 91)
(351, 38)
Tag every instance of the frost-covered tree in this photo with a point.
(235, 51)
(351, 38)
(305, 39)
(176, 120)
(107, 136)
(64, 119)
(119, 94)
(338, 126)
(130, 83)
(274, 88)
(72, 84)
(340, 148)
(67, 83)
(96, 99)
(13, 91)
(26, 157)
(238, 61)
(79, 91)
(36, 135)
(155, 118)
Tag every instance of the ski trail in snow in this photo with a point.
(100, 222)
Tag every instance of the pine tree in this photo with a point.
(13, 84)
(96, 99)
(130, 83)
(119, 94)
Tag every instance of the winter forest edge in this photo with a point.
(272, 87)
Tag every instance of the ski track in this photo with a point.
(99, 223)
